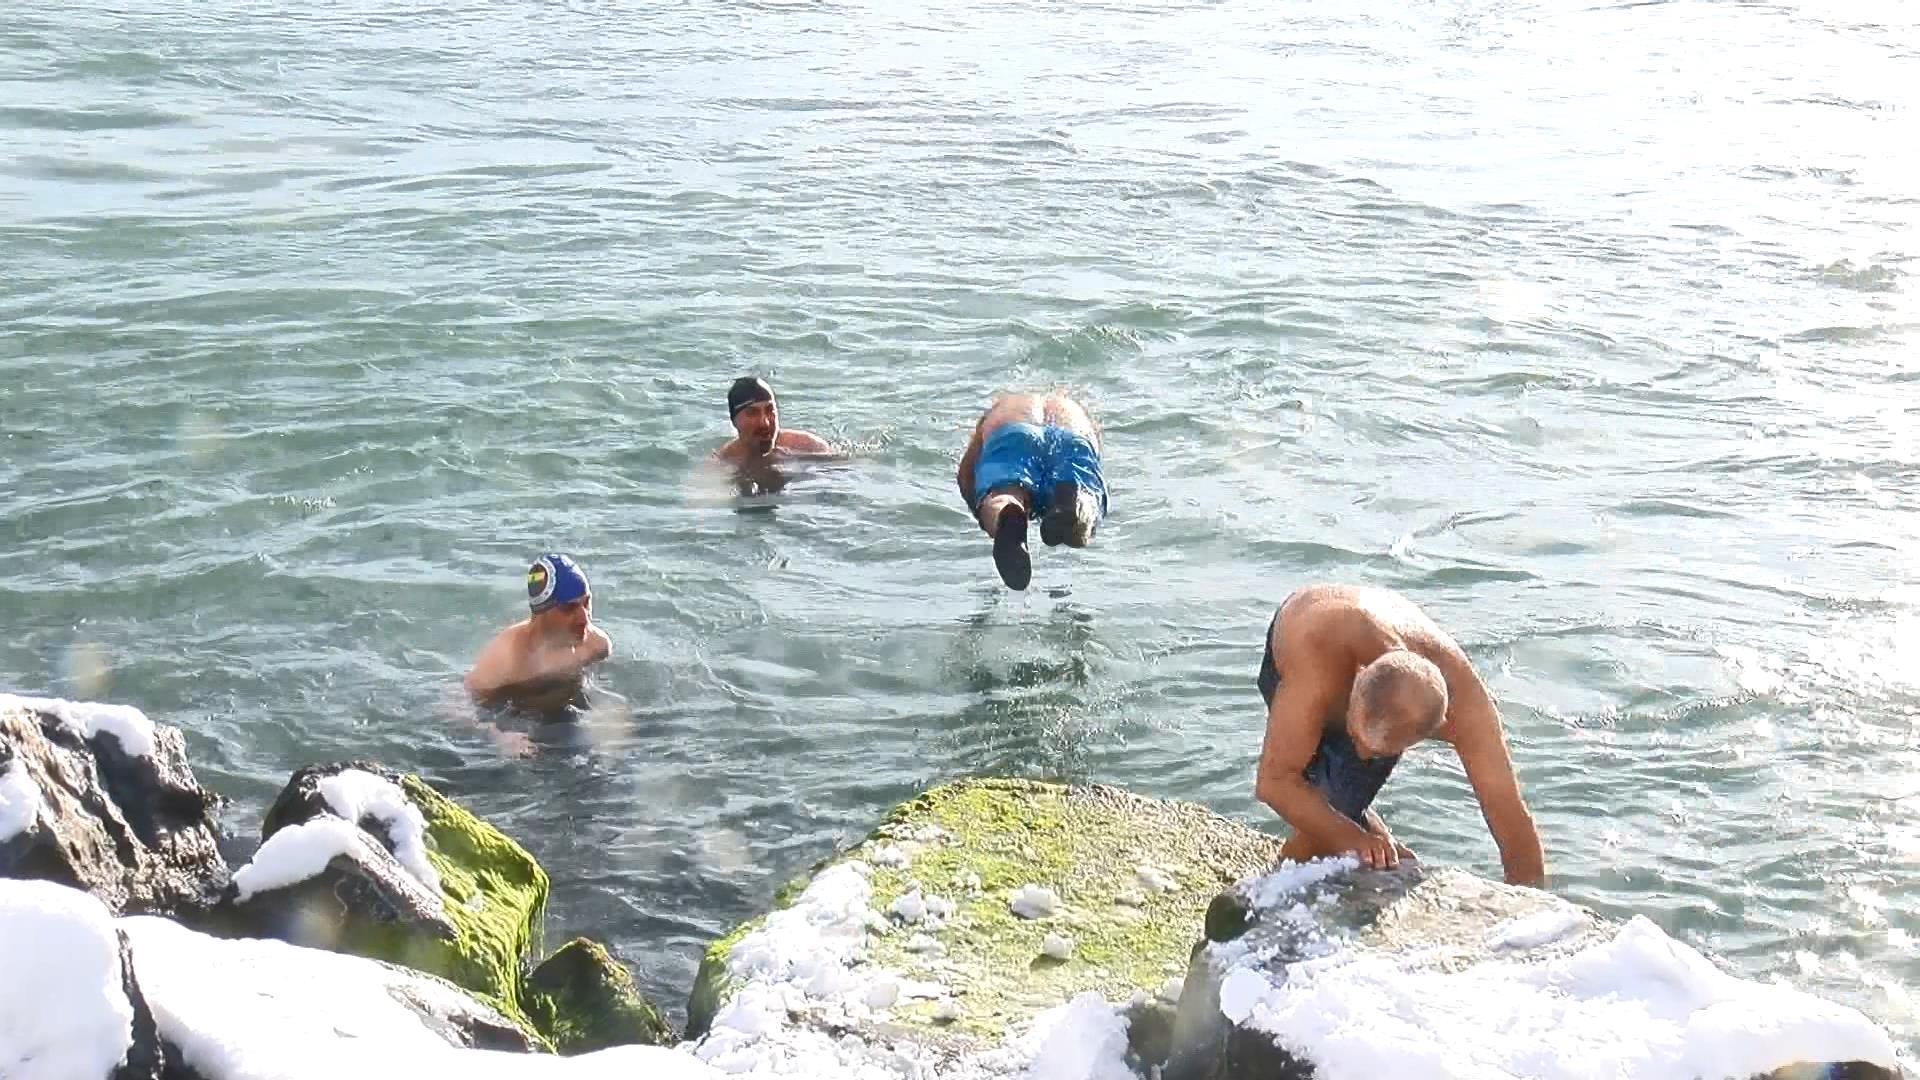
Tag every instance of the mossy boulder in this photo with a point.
(486, 912)
(1132, 877)
(584, 1000)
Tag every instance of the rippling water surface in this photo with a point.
(1592, 327)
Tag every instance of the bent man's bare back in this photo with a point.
(1039, 409)
(1353, 677)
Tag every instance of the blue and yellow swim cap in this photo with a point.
(552, 580)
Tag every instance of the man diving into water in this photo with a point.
(1353, 677)
(1033, 455)
(541, 661)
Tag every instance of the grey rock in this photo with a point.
(365, 891)
(136, 832)
(1440, 921)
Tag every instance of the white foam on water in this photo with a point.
(301, 851)
(355, 794)
(63, 1012)
(1639, 1007)
(125, 723)
(19, 800)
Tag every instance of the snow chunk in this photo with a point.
(923, 943)
(1292, 878)
(1638, 1007)
(1153, 879)
(1033, 902)
(1085, 1039)
(301, 851)
(62, 1009)
(357, 795)
(890, 855)
(1531, 931)
(19, 800)
(125, 723)
(252, 1008)
(909, 907)
(1056, 947)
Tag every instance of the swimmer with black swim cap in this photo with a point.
(758, 436)
(543, 657)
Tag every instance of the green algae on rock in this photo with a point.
(491, 893)
(1131, 877)
(583, 1000)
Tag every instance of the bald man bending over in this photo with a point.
(1353, 677)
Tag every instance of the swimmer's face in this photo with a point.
(758, 425)
(571, 618)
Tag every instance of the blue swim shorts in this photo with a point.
(1037, 458)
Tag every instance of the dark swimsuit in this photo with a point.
(1348, 781)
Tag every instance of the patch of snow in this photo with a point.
(1033, 902)
(125, 723)
(356, 795)
(1056, 947)
(890, 855)
(882, 993)
(19, 800)
(908, 907)
(63, 1012)
(1154, 879)
(1171, 990)
(939, 907)
(1291, 878)
(1637, 1007)
(803, 976)
(254, 1009)
(301, 851)
(1532, 931)
(1085, 1039)
(923, 943)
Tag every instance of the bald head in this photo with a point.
(1398, 700)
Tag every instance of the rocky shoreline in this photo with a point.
(986, 929)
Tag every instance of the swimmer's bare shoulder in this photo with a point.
(804, 442)
(495, 667)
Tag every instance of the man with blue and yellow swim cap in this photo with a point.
(1033, 455)
(543, 657)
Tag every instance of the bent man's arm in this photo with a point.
(1482, 747)
(1294, 726)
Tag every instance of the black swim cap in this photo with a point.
(747, 389)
